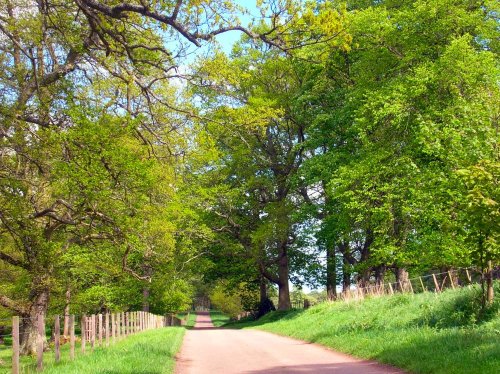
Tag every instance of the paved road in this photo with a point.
(209, 350)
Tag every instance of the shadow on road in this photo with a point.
(340, 368)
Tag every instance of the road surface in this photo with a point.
(210, 350)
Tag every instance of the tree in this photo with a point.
(391, 131)
(81, 176)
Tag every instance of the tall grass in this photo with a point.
(423, 333)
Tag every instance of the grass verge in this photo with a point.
(148, 352)
(189, 317)
(219, 318)
(423, 333)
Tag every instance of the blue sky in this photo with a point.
(228, 39)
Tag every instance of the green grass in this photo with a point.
(218, 318)
(191, 318)
(423, 333)
(149, 352)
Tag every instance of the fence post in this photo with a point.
(411, 287)
(124, 325)
(92, 332)
(125, 322)
(106, 329)
(390, 288)
(436, 283)
(84, 332)
(129, 324)
(15, 345)
(118, 326)
(451, 280)
(72, 337)
(468, 275)
(422, 284)
(41, 338)
(57, 342)
(100, 329)
(113, 327)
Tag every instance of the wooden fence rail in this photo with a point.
(97, 330)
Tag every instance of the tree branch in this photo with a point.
(271, 277)
(12, 261)
(126, 269)
(12, 305)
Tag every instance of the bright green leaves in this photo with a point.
(481, 184)
(414, 100)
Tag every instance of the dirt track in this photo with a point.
(209, 350)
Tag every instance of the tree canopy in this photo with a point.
(338, 143)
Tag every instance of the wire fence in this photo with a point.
(434, 282)
(78, 334)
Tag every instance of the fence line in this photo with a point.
(95, 330)
(434, 282)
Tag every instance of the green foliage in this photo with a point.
(229, 304)
(177, 296)
(404, 135)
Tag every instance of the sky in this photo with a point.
(228, 39)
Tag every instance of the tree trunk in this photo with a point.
(379, 278)
(29, 325)
(263, 290)
(331, 273)
(283, 288)
(66, 312)
(346, 275)
(379, 274)
(364, 278)
(401, 279)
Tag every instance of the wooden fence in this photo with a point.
(435, 282)
(96, 330)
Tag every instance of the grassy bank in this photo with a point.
(219, 318)
(190, 318)
(149, 352)
(423, 333)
